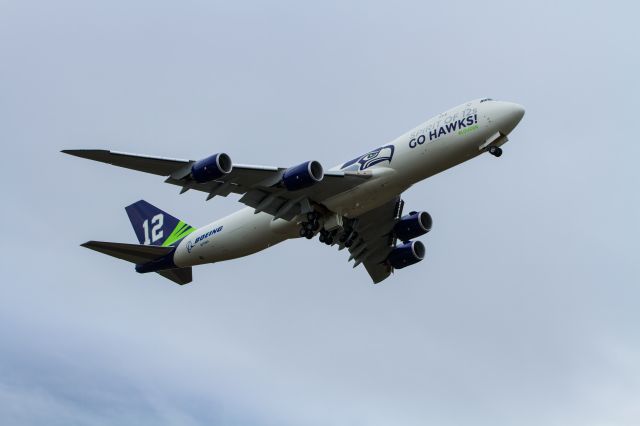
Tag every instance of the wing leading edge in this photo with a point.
(258, 185)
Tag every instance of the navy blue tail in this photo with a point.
(154, 226)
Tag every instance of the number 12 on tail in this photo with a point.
(156, 230)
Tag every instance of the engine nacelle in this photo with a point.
(211, 168)
(406, 254)
(413, 225)
(302, 176)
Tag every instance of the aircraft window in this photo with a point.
(485, 100)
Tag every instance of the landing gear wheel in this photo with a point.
(308, 234)
(495, 151)
(323, 237)
(303, 232)
(330, 238)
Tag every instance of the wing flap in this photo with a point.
(375, 239)
(378, 271)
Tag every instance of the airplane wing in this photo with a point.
(375, 239)
(257, 184)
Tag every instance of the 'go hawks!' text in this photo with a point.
(460, 125)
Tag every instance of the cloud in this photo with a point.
(523, 312)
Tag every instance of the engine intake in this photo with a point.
(406, 254)
(302, 176)
(413, 225)
(211, 168)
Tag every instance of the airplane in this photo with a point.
(356, 205)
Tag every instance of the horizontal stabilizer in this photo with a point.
(138, 254)
(130, 252)
(180, 276)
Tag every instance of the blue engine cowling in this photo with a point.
(211, 168)
(302, 176)
(413, 225)
(406, 254)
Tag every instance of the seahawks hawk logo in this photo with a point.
(370, 159)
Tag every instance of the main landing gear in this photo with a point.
(327, 237)
(495, 151)
(308, 228)
(347, 236)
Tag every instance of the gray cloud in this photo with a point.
(524, 311)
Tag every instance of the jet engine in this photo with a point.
(211, 168)
(302, 176)
(406, 254)
(413, 225)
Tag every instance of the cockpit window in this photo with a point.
(485, 100)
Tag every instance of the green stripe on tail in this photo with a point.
(179, 232)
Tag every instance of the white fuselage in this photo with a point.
(444, 141)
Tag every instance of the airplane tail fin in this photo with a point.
(156, 227)
(143, 255)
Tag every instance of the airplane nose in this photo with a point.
(517, 112)
(511, 116)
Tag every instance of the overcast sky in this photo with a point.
(525, 311)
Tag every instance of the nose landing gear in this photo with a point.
(495, 151)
